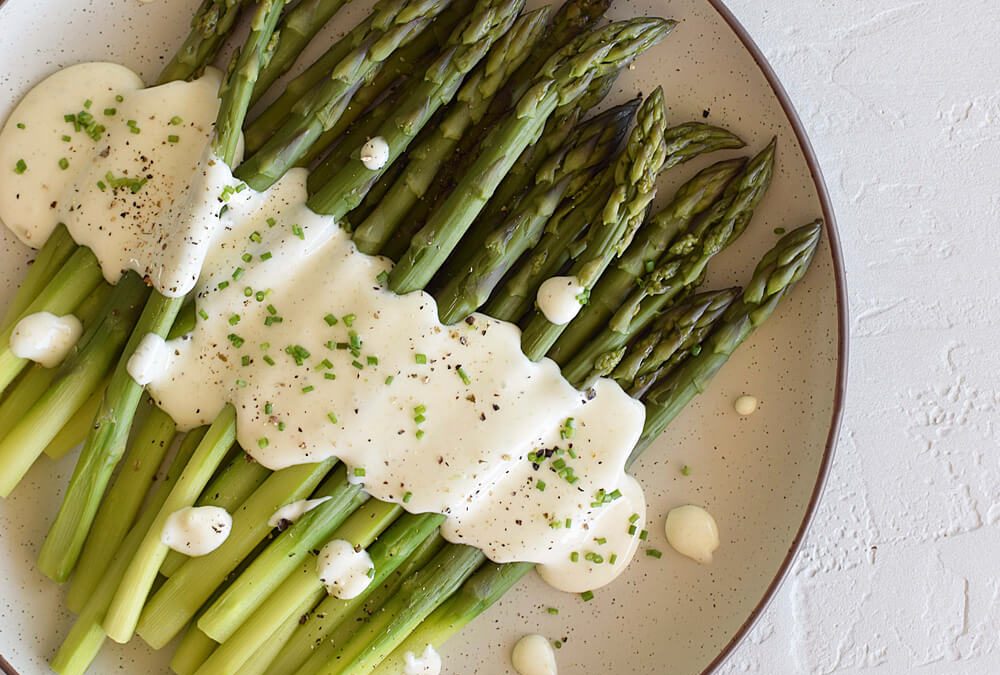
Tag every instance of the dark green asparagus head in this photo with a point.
(691, 139)
(781, 269)
(211, 24)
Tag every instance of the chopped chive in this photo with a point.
(634, 517)
(407, 497)
(329, 376)
(20, 166)
(568, 524)
(298, 232)
(66, 139)
(172, 138)
(246, 257)
(601, 541)
(419, 419)
(236, 340)
(420, 409)
(223, 285)
(420, 433)
(587, 596)
(464, 375)
(20, 125)
(269, 320)
(268, 360)
(357, 364)
(245, 361)
(632, 529)
(298, 353)
(266, 255)
(330, 319)
(553, 611)
(325, 363)
(613, 559)
(262, 442)
(63, 163)
(359, 471)
(331, 417)
(88, 103)
(271, 222)
(308, 388)
(389, 379)
(241, 383)
(255, 237)
(382, 277)
(420, 358)
(176, 121)
(203, 314)
(268, 408)
(685, 470)
(644, 535)
(372, 360)
(540, 485)
(260, 295)
(237, 273)
(247, 292)
(121, 98)
(568, 427)
(272, 310)
(110, 112)
(574, 556)
(349, 319)
(234, 319)
(654, 553)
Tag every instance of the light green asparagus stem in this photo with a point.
(298, 27)
(209, 28)
(50, 259)
(676, 272)
(394, 23)
(468, 45)
(177, 601)
(475, 596)
(233, 485)
(270, 568)
(85, 638)
(194, 649)
(302, 588)
(416, 599)
(129, 598)
(79, 375)
(651, 242)
(672, 340)
(565, 77)
(121, 503)
(562, 176)
(471, 103)
(333, 620)
(75, 281)
(258, 662)
(75, 431)
(780, 269)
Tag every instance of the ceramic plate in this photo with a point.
(760, 476)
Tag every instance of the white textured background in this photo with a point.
(901, 570)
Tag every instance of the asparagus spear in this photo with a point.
(107, 440)
(671, 339)
(85, 638)
(564, 78)
(468, 44)
(176, 602)
(563, 174)
(298, 27)
(684, 267)
(211, 24)
(50, 259)
(651, 242)
(780, 269)
(471, 103)
(393, 24)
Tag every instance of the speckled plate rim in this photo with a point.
(840, 287)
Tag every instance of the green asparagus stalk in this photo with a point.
(192, 651)
(670, 340)
(79, 375)
(564, 173)
(474, 597)
(298, 27)
(467, 46)
(74, 432)
(471, 103)
(301, 589)
(75, 281)
(130, 596)
(564, 78)
(211, 24)
(121, 504)
(774, 277)
(176, 602)
(267, 572)
(651, 242)
(230, 487)
(679, 270)
(403, 63)
(50, 259)
(86, 637)
(332, 622)
(107, 440)
(416, 599)
(393, 24)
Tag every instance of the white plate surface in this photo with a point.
(759, 476)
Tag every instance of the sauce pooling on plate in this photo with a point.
(296, 330)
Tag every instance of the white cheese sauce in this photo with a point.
(745, 405)
(533, 655)
(290, 513)
(150, 359)
(558, 299)
(196, 530)
(375, 153)
(45, 338)
(692, 531)
(345, 570)
(297, 333)
(426, 663)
